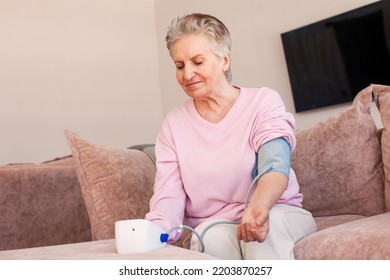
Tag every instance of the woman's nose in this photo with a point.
(188, 72)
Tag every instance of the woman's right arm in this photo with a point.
(167, 204)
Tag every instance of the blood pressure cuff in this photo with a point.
(273, 156)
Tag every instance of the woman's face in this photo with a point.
(198, 70)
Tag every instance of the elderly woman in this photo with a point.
(211, 148)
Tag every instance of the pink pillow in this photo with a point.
(339, 165)
(382, 99)
(116, 183)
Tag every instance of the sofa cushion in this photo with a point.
(41, 205)
(382, 99)
(116, 183)
(324, 222)
(338, 163)
(367, 238)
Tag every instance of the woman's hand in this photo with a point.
(255, 220)
(254, 225)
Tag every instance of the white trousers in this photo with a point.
(288, 224)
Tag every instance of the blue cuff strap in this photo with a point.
(273, 156)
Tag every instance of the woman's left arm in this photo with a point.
(273, 171)
(255, 221)
(274, 138)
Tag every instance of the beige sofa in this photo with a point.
(342, 164)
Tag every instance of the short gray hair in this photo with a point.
(210, 26)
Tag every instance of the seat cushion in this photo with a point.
(362, 239)
(331, 221)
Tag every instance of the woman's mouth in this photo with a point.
(192, 85)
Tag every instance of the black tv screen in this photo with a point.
(331, 60)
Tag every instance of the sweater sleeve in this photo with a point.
(272, 121)
(168, 201)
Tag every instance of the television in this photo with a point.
(331, 60)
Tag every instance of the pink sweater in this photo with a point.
(204, 169)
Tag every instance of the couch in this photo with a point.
(342, 164)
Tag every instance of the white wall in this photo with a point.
(257, 52)
(86, 65)
(101, 68)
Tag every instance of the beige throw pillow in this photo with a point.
(339, 165)
(116, 183)
(382, 99)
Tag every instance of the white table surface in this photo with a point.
(98, 250)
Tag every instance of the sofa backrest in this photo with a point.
(41, 205)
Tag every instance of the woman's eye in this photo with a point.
(198, 62)
(179, 67)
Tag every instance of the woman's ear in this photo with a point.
(226, 62)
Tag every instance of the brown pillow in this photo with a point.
(338, 163)
(382, 99)
(116, 183)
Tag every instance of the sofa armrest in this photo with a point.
(41, 204)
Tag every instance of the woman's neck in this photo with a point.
(215, 107)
